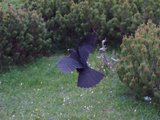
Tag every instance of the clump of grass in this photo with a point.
(40, 91)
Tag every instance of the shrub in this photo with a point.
(48, 8)
(139, 65)
(68, 20)
(22, 36)
(149, 9)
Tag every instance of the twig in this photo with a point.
(107, 60)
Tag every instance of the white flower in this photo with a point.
(148, 98)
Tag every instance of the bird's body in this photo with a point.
(88, 77)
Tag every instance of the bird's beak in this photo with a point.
(67, 49)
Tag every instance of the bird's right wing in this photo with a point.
(86, 46)
(67, 64)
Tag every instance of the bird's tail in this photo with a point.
(89, 77)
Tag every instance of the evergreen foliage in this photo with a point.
(139, 65)
(68, 20)
(22, 36)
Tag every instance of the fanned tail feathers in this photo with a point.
(89, 78)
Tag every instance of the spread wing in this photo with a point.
(86, 47)
(67, 64)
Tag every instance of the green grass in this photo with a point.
(58, 97)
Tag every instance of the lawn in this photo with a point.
(40, 91)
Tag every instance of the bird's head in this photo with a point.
(71, 51)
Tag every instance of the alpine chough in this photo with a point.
(88, 77)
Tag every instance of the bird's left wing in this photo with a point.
(67, 64)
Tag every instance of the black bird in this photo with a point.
(88, 77)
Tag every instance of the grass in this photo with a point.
(41, 91)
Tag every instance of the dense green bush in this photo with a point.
(139, 65)
(48, 8)
(149, 9)
(22, 36)
(68, 20)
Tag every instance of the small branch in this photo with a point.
(109, 61)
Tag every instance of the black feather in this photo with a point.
(67, 64)
(78, 60)
(86, 46)
(89, 77)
